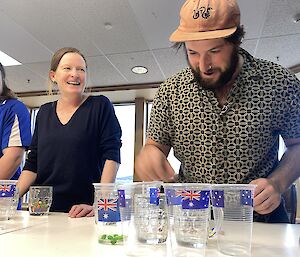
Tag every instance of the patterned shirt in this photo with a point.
(238, 142)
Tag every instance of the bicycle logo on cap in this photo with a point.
(203, 12)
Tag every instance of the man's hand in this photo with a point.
(81, 210)
(152, 164)
(266, 195)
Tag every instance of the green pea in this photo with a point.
(103, 237)
(120, 237)
(113, 241)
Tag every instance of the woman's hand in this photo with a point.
(81, 210)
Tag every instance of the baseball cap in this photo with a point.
(207, 19)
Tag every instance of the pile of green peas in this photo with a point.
(112, 239)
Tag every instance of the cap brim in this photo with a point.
(180, 36)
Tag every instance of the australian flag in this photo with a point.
(173, 197)
(108, 210)
(195, 199)
(218, 198)
(154, 195)
(125, 205)
(7, 190)
(246, 197)
(122, 201)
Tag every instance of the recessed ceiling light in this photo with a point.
(139, 70)
(296, 18)
(107, 26)
(6, 60)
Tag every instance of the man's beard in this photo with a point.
(225, 76)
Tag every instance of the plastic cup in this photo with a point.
(233, 211)
(188, 214)
(8, 192)
(40, 200)
(107, 214)
(144, 218)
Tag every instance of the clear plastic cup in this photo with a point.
(15, 202)
(8, 193)
(40, 200)
(233, 211)
(144, 218)
(188, 215)
(107, 214)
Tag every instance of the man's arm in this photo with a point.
(268, 192)
(152, 163)
(10, 161)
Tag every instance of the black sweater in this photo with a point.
(71, 157)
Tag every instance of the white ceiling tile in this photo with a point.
(253, 16)
(51, 26)
(19, 44)
(124, 35)
(124, 63)
(280, 18)
(102, 73)
(39, 68)
(170, 60)
(286, 48)
(250, 45)
(157, 20)
(22, 79)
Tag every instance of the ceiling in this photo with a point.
(116, 35)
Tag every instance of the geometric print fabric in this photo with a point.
(233, 144)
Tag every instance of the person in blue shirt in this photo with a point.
(15, 131)
(76, 141)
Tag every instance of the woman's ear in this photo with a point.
(52, 76)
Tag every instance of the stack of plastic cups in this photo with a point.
(144, 218)
(233, 212)
(15, 203)
(188, 215)
(107, 214)
(8, 193)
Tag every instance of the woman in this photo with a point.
(15, 134)
(76, 140)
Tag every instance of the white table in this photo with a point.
(57, 235)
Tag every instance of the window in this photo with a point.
(282, 147)
(126, 117)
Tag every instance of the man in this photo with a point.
(223, 115)
(15, 134)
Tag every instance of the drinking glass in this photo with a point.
(144, 218)
(40, 200)
(233, 210)
(188, 216)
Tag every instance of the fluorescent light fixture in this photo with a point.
(6, 60)
(139, 70)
